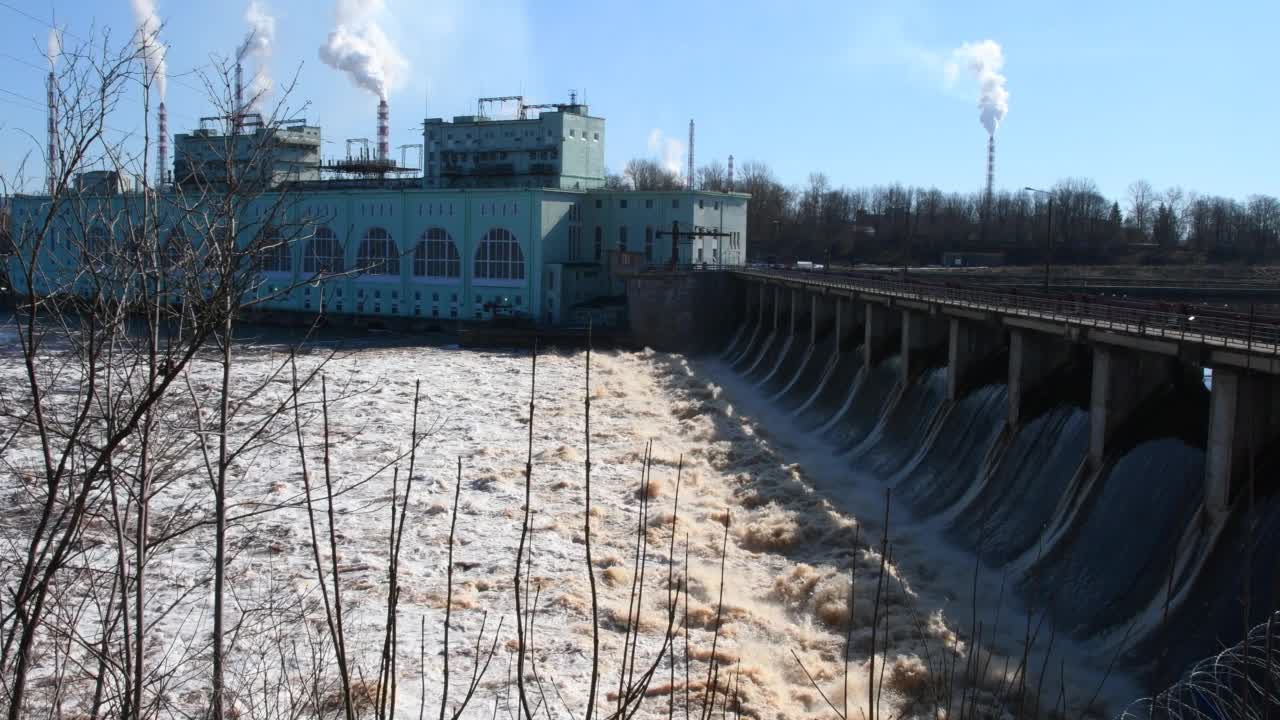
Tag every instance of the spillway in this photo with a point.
(1118, 553)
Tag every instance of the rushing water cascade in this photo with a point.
(1118, 558)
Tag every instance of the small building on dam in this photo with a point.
(504, 213)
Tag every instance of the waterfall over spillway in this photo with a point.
(1118, 554)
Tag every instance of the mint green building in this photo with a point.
(510, 211)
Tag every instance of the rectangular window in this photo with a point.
(701, 204)
(675, 203)
(596, 136)
(622, 204)
(599, 204)
(648, 204)
(571, 133)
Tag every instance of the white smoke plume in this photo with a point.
(985, 61)
(257, 44)
(358, 47)
(148, 39)
(668, 151)
(54, 49)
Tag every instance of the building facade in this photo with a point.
(551, 251)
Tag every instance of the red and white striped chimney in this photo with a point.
(384, 130)
(53, 132)
(162, 144)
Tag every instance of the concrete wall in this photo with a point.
(681, 311)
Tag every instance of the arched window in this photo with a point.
(324, 252)
(599, 243)
(273, 252)
(499, 256)
(378, 254)
(648, 243)
(622, 238)
(435, 255)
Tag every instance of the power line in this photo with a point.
(17, 59)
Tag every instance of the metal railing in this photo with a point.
(1225, 330)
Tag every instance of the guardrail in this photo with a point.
(1236, 332)
(1094, 281)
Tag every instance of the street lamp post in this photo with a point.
(1048, 235)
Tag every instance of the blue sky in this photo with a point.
(1177, 92)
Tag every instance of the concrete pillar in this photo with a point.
(848, 322)
(1122, 380)
(920, 334)
(753, 300)
(881, 328)
(969, 343)
(1244, 416)
(822, 312)
(1032, 358)
(800, 307)
(779, 302)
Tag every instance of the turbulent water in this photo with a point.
(790, 550)
(994, 535)
(1118, 564)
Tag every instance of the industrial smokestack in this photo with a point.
(991, 170)
(730, 173)
(53, 132)
(162, 145)
(237, 103)
(52, 52)
(384, 130)
(690, 154)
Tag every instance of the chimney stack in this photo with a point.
(991, 174)
(690, 179)
(384, 131)
(53, 132)
(730, 173)
(162, 145)
(237, 109)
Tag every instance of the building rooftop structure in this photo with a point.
(562, 147)
(267, 154)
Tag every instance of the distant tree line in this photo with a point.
(890, 223)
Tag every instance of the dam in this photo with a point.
(1117, 465)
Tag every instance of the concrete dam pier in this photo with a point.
(1119, 465)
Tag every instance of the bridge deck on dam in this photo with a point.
(1224, 339)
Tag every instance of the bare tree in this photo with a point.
(1141, 199)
